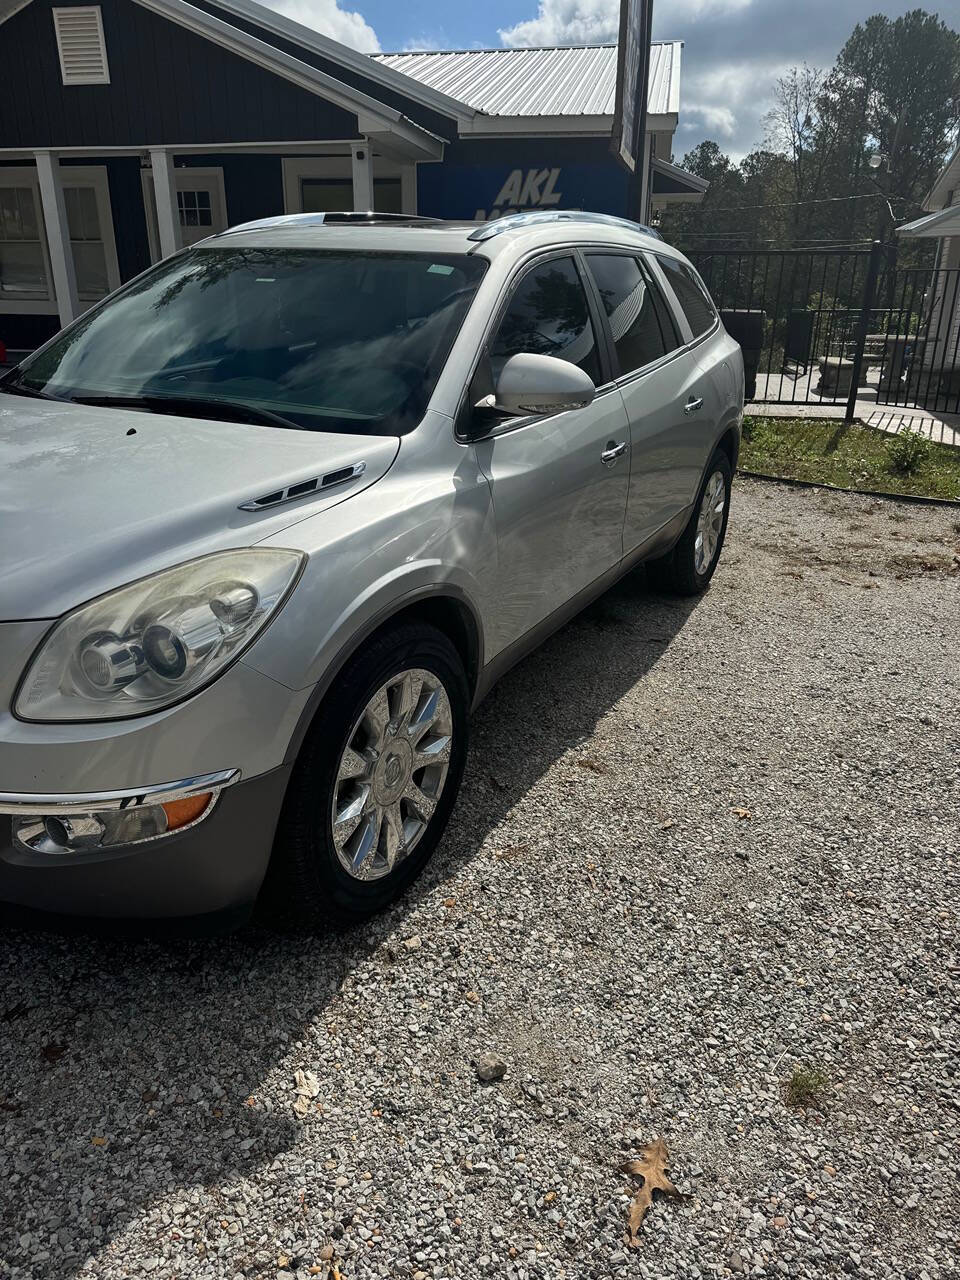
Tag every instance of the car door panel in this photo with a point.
(559, 505)
(702, 404)
(559, 510)
(659, 382)
(665, 444)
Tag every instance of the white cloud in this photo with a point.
(567, 22)
(714, 121)
(720, 100)
(598, 21)
(329, 19)
(423, 44)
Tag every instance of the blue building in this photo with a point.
(130, 128)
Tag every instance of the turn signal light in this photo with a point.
(181, 812)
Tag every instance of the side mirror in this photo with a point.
(530, 383)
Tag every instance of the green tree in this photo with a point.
(892, 94)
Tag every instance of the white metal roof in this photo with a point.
(558, 81)
(935, 225)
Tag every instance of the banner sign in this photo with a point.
(633, 71)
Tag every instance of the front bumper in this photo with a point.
(215, 865)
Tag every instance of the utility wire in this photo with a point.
(804, 240)
(792, 204)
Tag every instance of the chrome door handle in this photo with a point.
(693, 404)
(612, 452)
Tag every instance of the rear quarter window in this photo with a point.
(695, 301)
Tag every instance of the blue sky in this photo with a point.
(734, 50)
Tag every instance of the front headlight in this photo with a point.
(153, 643)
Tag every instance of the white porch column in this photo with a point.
(645, 183)
(362, 176)
(408, 188)
(165, 194)
(58, 235)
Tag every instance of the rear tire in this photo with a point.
(375, 781)
(688, 568)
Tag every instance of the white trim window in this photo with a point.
(81, 46)
(25, 277)
(325, 183)
(201, 204)
(24, 270)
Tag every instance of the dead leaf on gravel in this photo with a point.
(652, 1168)
(595, 766)
(741, 813)
(306, 1086)
(511, 851)
(306, 1083)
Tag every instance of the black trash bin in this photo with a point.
(798, 343)
(746, 327)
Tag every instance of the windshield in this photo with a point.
(327, 341)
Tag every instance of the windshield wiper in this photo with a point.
(14, 388)
(188, 405)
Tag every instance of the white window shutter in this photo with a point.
(80, 43)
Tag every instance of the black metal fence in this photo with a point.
(838, 325)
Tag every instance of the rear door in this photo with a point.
(559, 482)
(704, 413)
(659, 380)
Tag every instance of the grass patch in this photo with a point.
(805, 1087)
(852, 456)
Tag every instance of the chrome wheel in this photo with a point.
(391, 774)
(710, 522)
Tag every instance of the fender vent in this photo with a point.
(303, 487)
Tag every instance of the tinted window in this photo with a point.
(548, 315)
(332, 341)
(696, 303)
(629, 303)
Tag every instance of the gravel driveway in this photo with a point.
(699, 844)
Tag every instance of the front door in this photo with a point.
(559, 504)
(201, 205)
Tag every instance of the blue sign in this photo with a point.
(491, 191)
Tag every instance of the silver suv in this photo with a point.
(278, 513)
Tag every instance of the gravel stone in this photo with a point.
(648, 961)
(490, 1066)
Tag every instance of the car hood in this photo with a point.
(93, 498)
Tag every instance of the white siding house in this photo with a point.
(942, 350)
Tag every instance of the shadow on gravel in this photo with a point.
(130, 1069)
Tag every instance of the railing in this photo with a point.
(836, 326)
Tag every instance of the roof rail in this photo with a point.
(514, 221)
(355, 219)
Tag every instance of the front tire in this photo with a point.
(688, 568)
(376, 779)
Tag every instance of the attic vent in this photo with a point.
(80, 43)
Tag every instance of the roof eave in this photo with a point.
(372, 115)
(490, 126)
(936, 226)
(363, 63)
